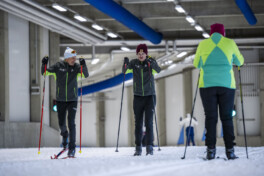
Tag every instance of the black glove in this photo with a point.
(126, 61)
(180, 118)
(82, 61)
(45, 60)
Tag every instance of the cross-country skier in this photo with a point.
(143, 69)
(186, 123)
(65, 73)
(215, 57)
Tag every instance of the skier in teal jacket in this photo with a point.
(215, 57)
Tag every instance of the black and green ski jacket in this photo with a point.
(66, 79)
(143, 79)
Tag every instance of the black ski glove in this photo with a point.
(126, 61)
(45, 60)
(82, 61)
(180, 118)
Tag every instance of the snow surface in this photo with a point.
(105, 161)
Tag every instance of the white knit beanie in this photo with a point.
(69, 52)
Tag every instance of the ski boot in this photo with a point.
(149, 150)
(210, 153)
(230, 154)
(138, 151)
(71, 153)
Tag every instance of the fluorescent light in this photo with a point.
(172, 66)
(168, 62)
(97, 27)
(58, 7)
(170, 0)
(124, 48)
(198, 27)
(179, 9)
(112, 35)
(80, 18)
(205, 35)
(95, 61)
(190, 19)
(182, 54)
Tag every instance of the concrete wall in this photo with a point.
(18, 128)
(18, 36)
(88, 123)
(24, 134)
(174, 107)
(112, 111)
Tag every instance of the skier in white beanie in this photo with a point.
(65, 73)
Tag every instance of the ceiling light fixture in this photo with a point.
(80, 18)
(205, 35)
(172, 66)
(112, 35)
(124, 48)
(182, 54)
(190, 19)
(58, 7)
(95, 61)
(97, 27)
(179, 9)
(198, 27)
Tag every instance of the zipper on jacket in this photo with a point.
(66, 85)
(58, 91)
(142, 81)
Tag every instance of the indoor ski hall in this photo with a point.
(131, 87)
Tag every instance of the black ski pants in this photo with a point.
(71, 107)
(213, 97)
(143, 104)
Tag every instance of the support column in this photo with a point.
(35, 97)
(131, 118)
(4, 77)
(4, 62)
(54, 57)
(261, 77)
(100, 120)
(161, 111)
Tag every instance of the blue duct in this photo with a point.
(112, 82)
(119, 13)
(246, 10)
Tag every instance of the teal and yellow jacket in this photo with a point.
(215, 57)
(143, 79)
(66, 79)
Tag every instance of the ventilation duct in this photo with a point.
(247, 11)
(119, 13)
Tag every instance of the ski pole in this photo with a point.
(191, 117)
(120, 110)
(154, 112)
(81, 113)
(242, 105)
(42, 109)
